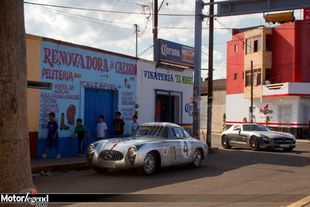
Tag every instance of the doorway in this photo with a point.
(168, 106)
(99, 102)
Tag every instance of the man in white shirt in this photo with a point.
(101, 128)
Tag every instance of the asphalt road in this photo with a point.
(233, 177)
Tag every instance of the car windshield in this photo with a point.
(150, 131)
(255, 128)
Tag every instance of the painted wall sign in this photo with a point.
(70, 70)
(189, 109)
(176, 78)
(266, 110)
(174, 53)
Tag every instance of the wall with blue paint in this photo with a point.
(72, 69)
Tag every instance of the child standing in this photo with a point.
(52, 136)
(134, 123)
(118, 125)
(81, 133)
(101, 128)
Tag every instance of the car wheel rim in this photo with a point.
(197, 158)
(149, 164)
(253, 144)
(224, 141)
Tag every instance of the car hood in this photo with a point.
(274, 134)
(122, 144)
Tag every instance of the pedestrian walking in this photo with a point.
(118, 125)
(101, 128)
(81, 133)
(52, 136)
(134, 124)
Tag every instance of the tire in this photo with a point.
(149, 164)
(99, 169)
(196, 163)
(288, 149)
(225, 142)
(254, 143)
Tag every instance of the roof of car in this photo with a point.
(160, 124)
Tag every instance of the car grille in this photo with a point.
(282, 140)
(111, 155)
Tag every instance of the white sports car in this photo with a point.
(151, 146)
(256, 136)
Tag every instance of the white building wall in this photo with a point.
(146, 90)
(237, 108)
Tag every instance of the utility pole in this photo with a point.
(210, 73)
(136, 28)
(252, 83)
(155, 25)
(197, 68)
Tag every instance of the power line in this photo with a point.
(101, 10)
(83, 16)
(144, 51)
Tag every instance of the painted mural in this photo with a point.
(71, 70)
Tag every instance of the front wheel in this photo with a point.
(254, 143)
(225, 142)
(149, 164)
(197, 158)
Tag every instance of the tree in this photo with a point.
(15, 167)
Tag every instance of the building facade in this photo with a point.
(281, 77)
(164, 94)
(218, 108)
(76, 81)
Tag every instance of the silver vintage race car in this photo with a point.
(150, 147)
(256, 136)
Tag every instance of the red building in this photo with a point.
(281, 76)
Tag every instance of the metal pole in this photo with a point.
(251, 107)
(155, 25)
(197, 68)
(136, 28)
(210, 73)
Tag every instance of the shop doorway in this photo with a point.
(99, 102)
(168, 106)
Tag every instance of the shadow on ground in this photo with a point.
(130, 181)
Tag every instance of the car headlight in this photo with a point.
(91, 149)
(132, 152)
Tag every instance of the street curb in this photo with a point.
(303, 141)
(61, 167)
(213, 150)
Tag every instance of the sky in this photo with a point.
(116, 32)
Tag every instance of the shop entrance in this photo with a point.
(99, 102)
(168, 106)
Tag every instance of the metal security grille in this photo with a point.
(282, 141)
(111, 155)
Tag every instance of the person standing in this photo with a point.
(81, 133)
(101, 128)
(118, 125)
(52, 136)
(134, 124)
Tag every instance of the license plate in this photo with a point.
(284, 145)
(109, 164)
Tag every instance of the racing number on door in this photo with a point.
(185, 148)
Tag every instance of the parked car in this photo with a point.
(256, 136)
(150, 147)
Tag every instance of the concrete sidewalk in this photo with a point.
(62, 164)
